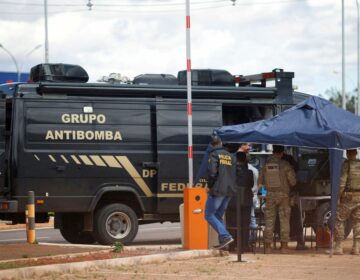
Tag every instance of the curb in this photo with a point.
(126, 248)
(56, 257)
(27, 272)
(75, 245)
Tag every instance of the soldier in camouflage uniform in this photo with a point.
(349, 203)
(278, 176)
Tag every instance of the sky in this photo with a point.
(149, 36)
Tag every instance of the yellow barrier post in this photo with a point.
(30, 218)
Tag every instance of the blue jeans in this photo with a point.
(214, 212)
(253, 224)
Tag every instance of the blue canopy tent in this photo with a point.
(313, 123)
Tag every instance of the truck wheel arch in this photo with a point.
(105, 193)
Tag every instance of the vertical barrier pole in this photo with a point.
(238, 225)
(189, 95)
(30, 218)
(195, 225)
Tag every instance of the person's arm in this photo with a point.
(251, 180)
(213, 168)
(255, 173)
(261, 181)
(344, 176)
(291, 176)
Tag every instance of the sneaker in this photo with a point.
(225, 242)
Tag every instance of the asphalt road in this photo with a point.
(166, 233)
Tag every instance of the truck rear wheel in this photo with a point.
(77, 237)
(323, 217)
(115, 223)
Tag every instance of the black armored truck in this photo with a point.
(105, 158)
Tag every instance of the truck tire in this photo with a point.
(115, 223)
(323, 215)
(74, 236)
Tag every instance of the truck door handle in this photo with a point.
(60, 168)
(151, 165)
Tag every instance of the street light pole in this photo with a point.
(358, 58)
(13, 59)
(46, 32)
(343, 54)
(26, 55)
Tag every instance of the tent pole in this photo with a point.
(238, 229)
(335, 170)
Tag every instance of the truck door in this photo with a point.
(172, 147)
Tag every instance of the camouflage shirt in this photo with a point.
(350, 176)
(277, 175)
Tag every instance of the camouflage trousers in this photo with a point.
(277, 203)
(348, 207)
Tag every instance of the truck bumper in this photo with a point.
(8, 206)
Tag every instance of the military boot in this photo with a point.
(338, 250)
(355, 249)
(267, 248)
(284, 248)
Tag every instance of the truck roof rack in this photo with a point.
(262, 78)
(214, 82)
(283, 82)
(143, 91)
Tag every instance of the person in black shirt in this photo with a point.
(244, 183)
(221, 187)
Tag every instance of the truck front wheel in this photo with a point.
(115, 223)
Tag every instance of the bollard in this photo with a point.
(30, 218)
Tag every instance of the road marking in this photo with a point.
(22, 229)
(140, 228)
(21, 239)
(155, 229)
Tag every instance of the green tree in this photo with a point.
(334, 96)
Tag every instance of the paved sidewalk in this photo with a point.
(171, 262)
(57, 270)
